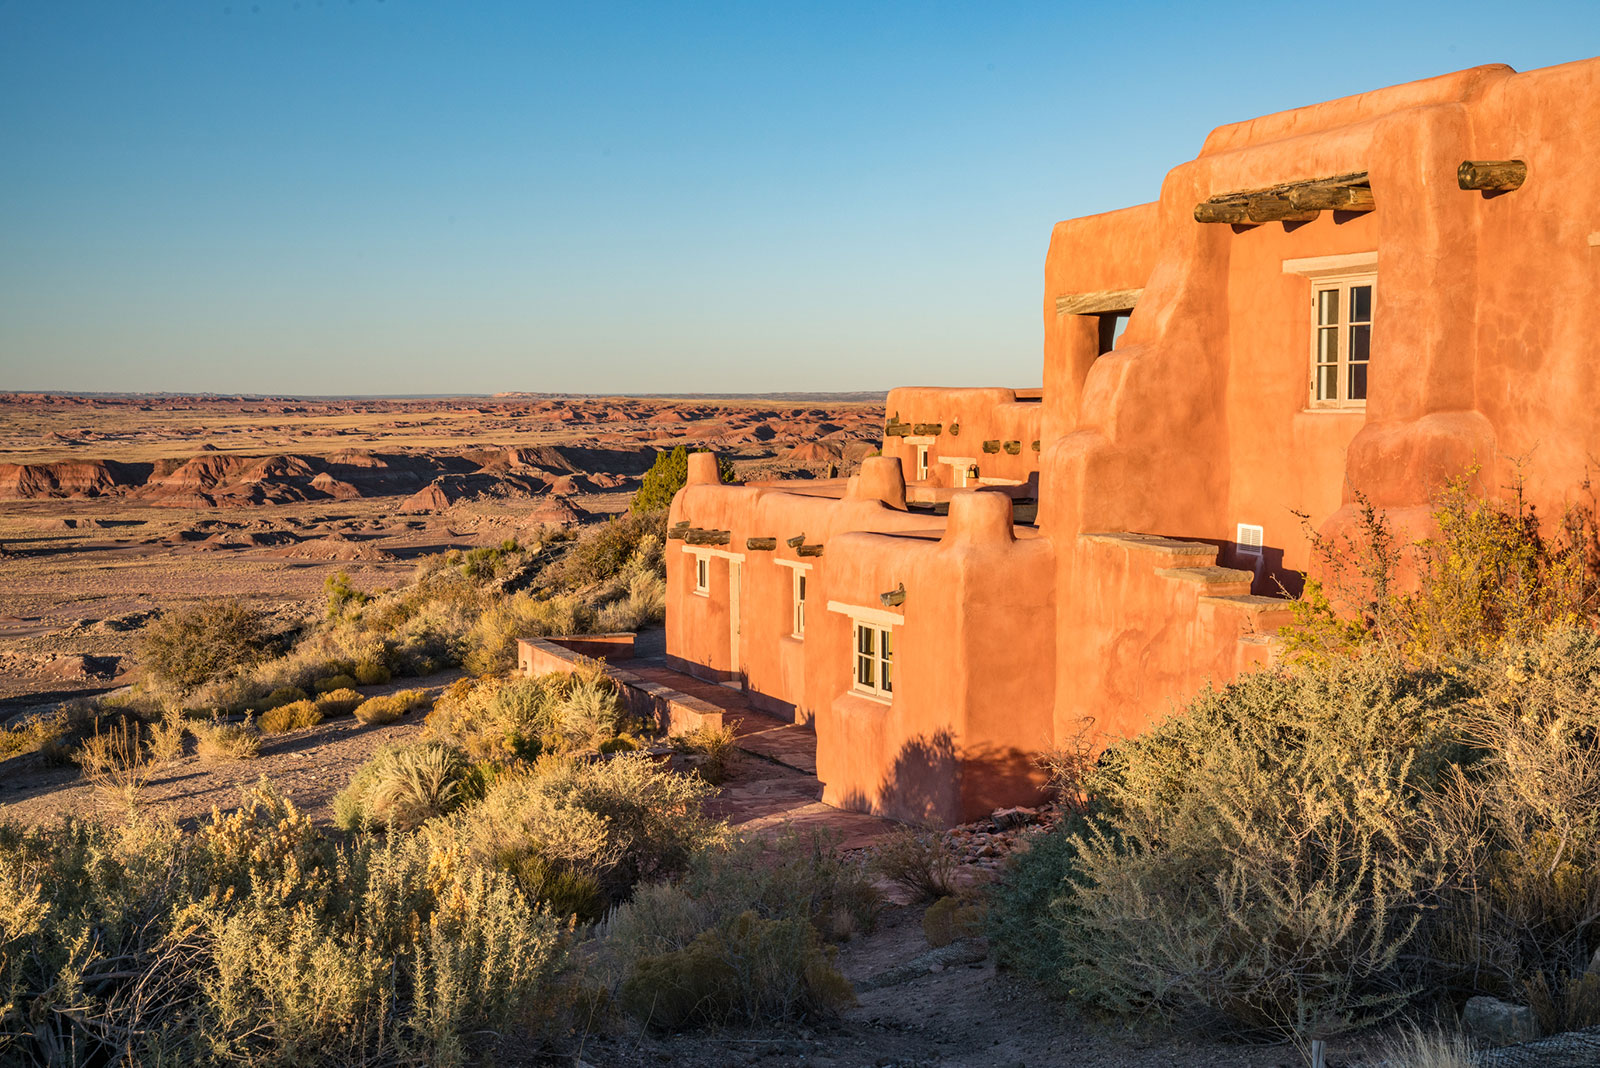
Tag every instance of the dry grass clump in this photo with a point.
(1415, 1048)
(112, 759)
(714, 748)
(376, 711)
(259, 939)
(332, 683)
(294, 716)
(920, 859)
(339, 702)
(216, 740)
(283, 695)
(47, 734)
(372, 673)
(166, 736)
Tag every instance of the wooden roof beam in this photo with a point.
(1289, 202)
(1492, 175)
(1098, 303)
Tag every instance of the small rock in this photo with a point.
(1500, 1023)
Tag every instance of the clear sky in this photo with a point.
(354, 196)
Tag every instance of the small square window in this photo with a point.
(874, 660)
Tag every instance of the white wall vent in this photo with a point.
(1249, 539)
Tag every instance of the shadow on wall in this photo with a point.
(931, 783)
(1272, 577)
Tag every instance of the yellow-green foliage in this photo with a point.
(509, 718)
(372, 673)
(951, 918)
(403, 786)
(167, 736)
(339, 702)
(1491, 573)
(46, 733)
(335, 682)
(297, 715)
(258, 940)
(227, 741)
(746, 970)
(623, 820)
(283, 695)
(714, 746)
(493, 637)
(390, 707)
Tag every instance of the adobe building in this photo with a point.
(1366, 295)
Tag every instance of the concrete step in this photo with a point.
(1216, 582)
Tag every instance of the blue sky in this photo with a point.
(353, 196)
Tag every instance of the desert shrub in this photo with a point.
(1026, 910)
(340, 701)
(282, 695)
(113, 762)
(644, 604)
(796, 874)
(1492, 572)
(510, 718)
(227, 741)
(372, 673)
(603, 550)
(493, 638)
(745, 970)
(403, 786)
(46, 733)
(297, 715)
(1261, 865)
(919, 859)
(715, 747)
(166, 737)
(950, 919)
(1413, 1047)
(623, 820)
(376, 711)
(342, 595)
(341, 681)
(185, 649)
(667, 475)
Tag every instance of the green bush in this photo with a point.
(667, 475)
(716, 748)
(493, 638)
(746, 970)
(403, 786)
(519, 718)
(920, 859)
(182, 650)
(283, 695)
(950, 919)
(340, 701)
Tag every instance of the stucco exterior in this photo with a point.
(1129, 590)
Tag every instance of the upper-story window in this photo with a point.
(702, 574)
(874, 660)
(922, 462)
(1341, 340)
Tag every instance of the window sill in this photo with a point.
(701, 593)
(867, 695)
(1334, 411)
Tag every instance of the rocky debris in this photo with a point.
(334, 546)
(962, 951)
(1499, 1023)
(988, 842)
(78, 666)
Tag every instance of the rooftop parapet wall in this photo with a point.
(989, 429)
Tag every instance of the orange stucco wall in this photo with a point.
(1486, 314)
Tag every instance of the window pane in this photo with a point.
(1328, 382)
(1358, 381)
(1327, 306)
(1361, 304)
(888, 660)
(864, 642)
(888, 671)
(888, 652)
(864, 665)
(1360, 343)
(1328, 345)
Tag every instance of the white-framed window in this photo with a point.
(922, 462)
(874, 660)
(799, 622)
(1341, 339)
(1249, 538)
(702, 574)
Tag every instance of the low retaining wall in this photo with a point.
(672, 711)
